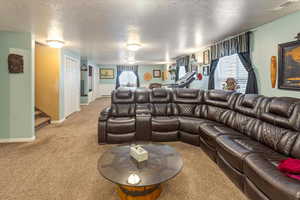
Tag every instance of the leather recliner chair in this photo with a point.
(164, 124)
(246, 135)
(117, 123)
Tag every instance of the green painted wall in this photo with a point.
(265, 44)
(17, 90)
(142, 70)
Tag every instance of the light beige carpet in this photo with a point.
(62, 165)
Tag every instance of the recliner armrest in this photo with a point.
(105, 114)
(143, 125)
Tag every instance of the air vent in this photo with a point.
(285, 4)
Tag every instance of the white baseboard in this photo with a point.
(58, 121)
(15, 140)
(84, 104)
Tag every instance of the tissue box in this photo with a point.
(138, 153)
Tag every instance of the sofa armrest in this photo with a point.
(105, 114)
(143, 126)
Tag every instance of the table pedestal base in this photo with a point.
(139, 193)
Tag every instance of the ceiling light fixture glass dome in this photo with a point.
(133, 46)
(55, 43)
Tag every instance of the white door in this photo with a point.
(96, 82)
(71, 86)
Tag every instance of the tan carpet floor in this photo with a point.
(62, 165)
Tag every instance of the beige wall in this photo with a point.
(47, 73)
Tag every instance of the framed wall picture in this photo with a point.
(90, 70)
(206, 57)
(15, 63)
(107, 73)
(156, 73)
(289, 66)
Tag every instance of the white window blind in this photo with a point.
(181, 72)
(231, 67)
(128, 79)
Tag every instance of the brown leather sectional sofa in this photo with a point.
(246, 135)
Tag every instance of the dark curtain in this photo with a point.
(122, 68)
(211, 80)
(251, 87)
(237, 45)
(183, 61)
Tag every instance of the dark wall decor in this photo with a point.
(90, 70)
(15, 63)
(289, 65)
(156, 73)
(83, 67)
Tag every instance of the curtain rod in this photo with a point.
(181, 56)
(230, 37)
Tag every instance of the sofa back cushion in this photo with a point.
(218, 105)
(247, 109)
(282, 112)
(160, 102)
(142, 100)
(281, 125)
(123, 103)
(249, 104)
(187, 102)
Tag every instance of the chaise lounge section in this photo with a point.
(246, 135)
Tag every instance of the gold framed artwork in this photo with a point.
(206, 57)
(289, 66)
(165, 75)
(107, 73)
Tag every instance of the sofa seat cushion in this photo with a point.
(165, 124)
(121, 125)
(191, 124)
(261, 170)
(164, 136)
(211, 130)
(234, 149)
(120, 138)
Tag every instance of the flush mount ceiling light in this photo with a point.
(55, 43)
(133, 46)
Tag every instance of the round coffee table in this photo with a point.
(116, 165)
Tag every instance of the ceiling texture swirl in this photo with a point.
(101, 29)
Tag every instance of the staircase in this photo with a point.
(41, 119)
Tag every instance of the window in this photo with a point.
(181, 72)
(231, 67)
(128, 79)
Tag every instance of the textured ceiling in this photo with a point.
(100, 29)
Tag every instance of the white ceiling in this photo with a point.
(100, 29)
